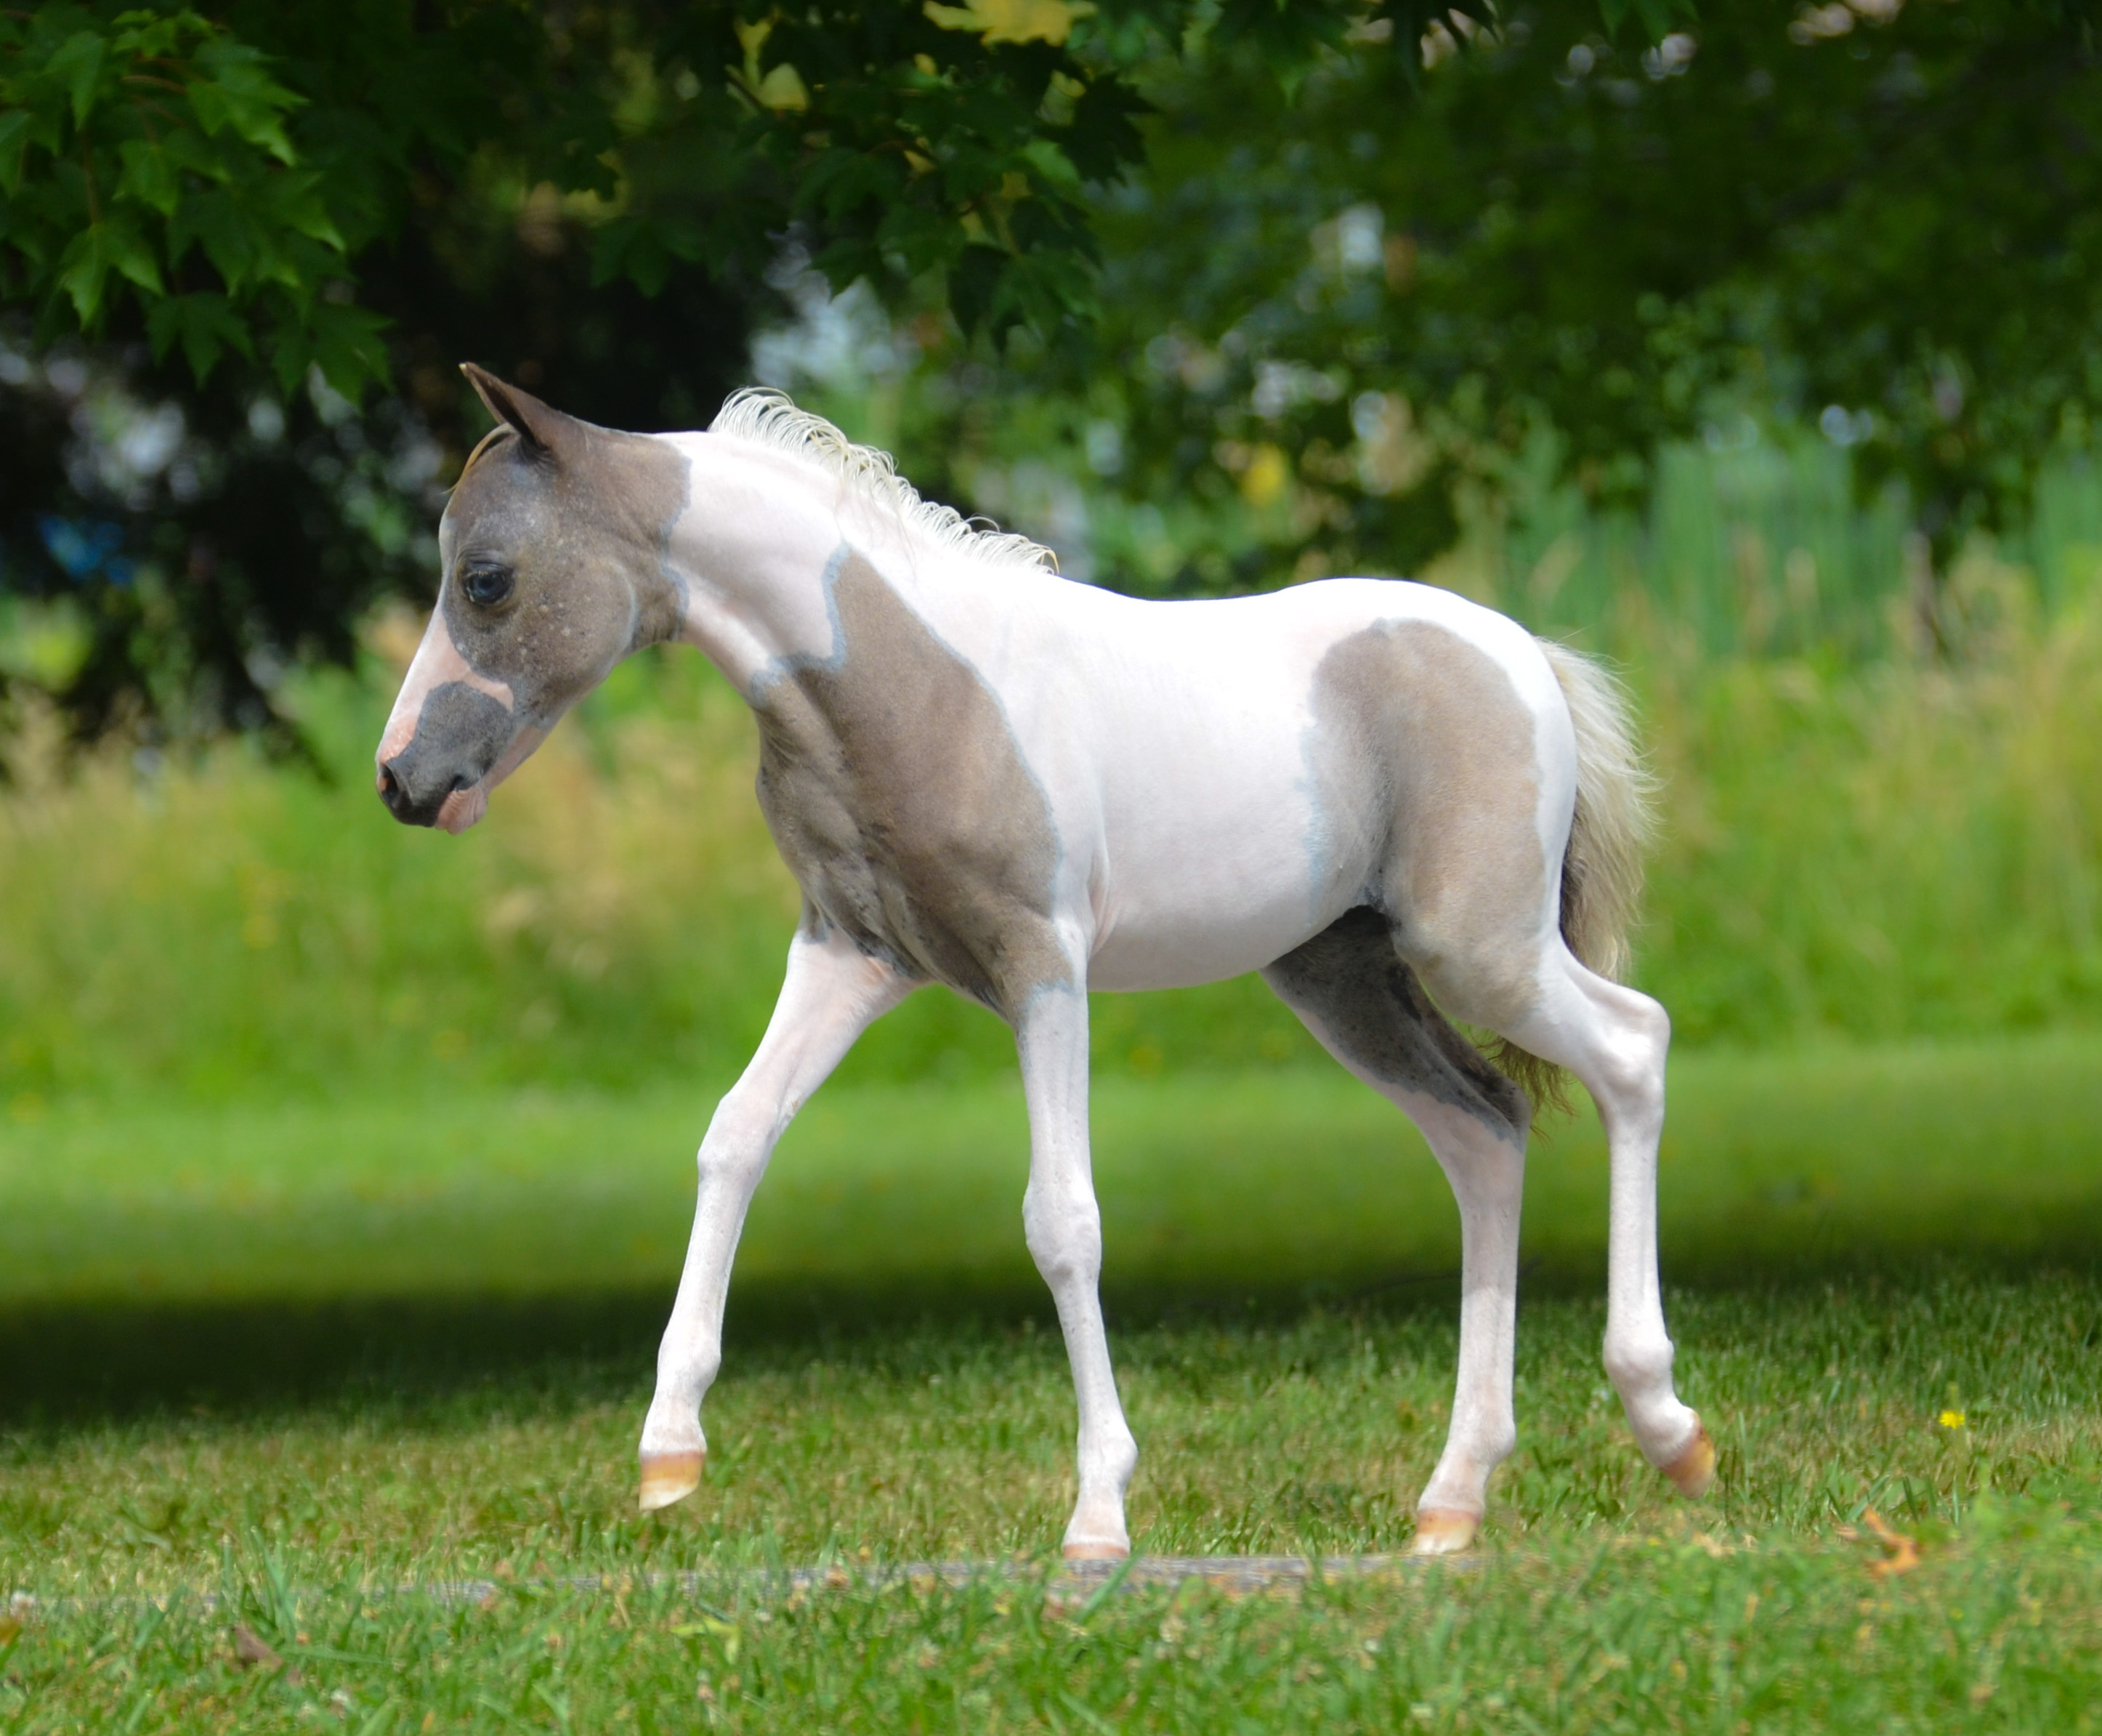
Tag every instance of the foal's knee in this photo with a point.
(1063, 1228)
(740, 1136)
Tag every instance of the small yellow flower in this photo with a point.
(1952, 1419)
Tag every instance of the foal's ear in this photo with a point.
(538, 424)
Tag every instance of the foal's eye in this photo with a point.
(486, 586)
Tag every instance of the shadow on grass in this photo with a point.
(77, 1363)
(64, 1364)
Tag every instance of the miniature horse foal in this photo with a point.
(1403, 808)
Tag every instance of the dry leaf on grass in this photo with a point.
(1903, 1553)
(252, 1651)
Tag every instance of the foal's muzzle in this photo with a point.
(460, 733)
(411, 807)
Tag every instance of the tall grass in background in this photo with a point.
(1880, 791)
(1866, 835)
(231, 924)
(1896, 848)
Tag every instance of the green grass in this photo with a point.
(1598, 1604)
(300, 1356)
(1296, 1185)
(1998, 1631)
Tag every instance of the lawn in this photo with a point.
(303, 1356)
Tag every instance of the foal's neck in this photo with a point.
(760, 534)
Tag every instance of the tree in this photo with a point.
(1372, 252)
(1330, 306)
(282, 225)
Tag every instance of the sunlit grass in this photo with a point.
(953, 1441)
(452, 1310)
(1597, 1602)
(1998, 1630)
(302, 1355)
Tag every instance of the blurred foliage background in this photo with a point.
(1754, 348)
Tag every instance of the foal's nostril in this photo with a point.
(393, 792)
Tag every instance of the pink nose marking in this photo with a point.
(436, 662)
(401, 728)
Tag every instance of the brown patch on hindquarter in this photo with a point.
(897, 795)
(1424, 761)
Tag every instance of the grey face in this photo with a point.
(552, 552)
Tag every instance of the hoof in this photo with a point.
(1694, 1469)
(1096, 1552)
(670, 1476)
(1443, 1531)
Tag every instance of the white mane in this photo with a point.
(763, 417)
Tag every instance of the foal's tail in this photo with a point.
(1602, 872)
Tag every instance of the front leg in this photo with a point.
(833, 993)
(1064, 1229)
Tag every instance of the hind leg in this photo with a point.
(1368, 1009)
(1614, 1039)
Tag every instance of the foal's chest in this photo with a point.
(896, 792)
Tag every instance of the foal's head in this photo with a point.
(552, 554)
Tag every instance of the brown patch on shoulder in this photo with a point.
(899, 797)
(1424, 747)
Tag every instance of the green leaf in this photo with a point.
(838, 179)
(77, 63)
(973, 284)
(345, 342)
(1052, 163)
(147, 36)
(1657, 17)
(214, 221)
(132, 257)
(84, 268)
(238, 96)
(15, 126)
(291, 356)
(149, 175)
(81, 270)
(205, 325)
(302, 211)
(349, 346)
